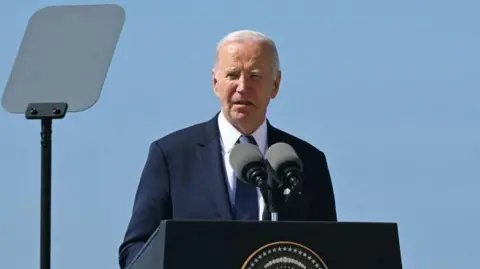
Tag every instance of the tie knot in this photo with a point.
(247, 139)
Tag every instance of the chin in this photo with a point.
(240, 114)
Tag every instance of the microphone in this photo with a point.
(249, 165)
(287, 165)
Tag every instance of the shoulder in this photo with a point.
(180, 138)
(181, 135)
(300, 145)
(187, 137)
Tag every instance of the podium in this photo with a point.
(183, 244)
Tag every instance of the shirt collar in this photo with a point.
(229, 135)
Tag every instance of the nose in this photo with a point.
(243, 83)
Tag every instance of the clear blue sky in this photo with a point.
(389, 90)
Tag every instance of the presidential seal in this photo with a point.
(284, 255)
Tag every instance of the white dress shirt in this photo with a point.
(228, 138)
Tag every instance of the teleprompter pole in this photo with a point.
(46, 113)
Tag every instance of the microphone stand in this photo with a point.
(278, 194)
(272, 201)
(272, 205)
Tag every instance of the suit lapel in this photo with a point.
(213, 171)
(273, 135)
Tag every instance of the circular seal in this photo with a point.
(285, 255)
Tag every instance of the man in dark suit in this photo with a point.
(187, 174)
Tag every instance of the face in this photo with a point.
(243, 81)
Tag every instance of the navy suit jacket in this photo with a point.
(184, 178)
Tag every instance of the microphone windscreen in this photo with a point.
(281, 153)
(242, 155)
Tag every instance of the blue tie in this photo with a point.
(246, 199)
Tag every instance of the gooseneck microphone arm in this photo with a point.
(275, 195)
(272, 194)
(262, 177)
(287, 167)
(292, 175)
(256, 174)
(273, 174)
(250, 166)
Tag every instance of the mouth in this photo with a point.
(243, 103)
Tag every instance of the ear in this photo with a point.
(215, 83)
(214, 80)
(276, 85)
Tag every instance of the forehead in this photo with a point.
(246, 54)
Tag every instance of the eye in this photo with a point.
(256, 76)
(232, 75)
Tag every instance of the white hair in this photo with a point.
(250, 35)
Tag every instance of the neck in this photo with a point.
(246, 127)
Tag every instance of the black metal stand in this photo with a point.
(278, 193)
(46, 112)
(273, 195)
(292, 191)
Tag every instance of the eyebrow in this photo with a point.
(233, 69)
